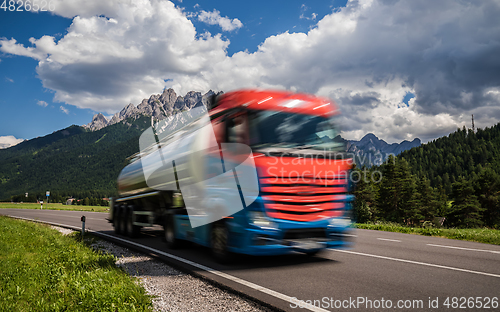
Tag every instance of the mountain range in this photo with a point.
(368, 151)
(371, 150)
(84, 161)
(158, 106)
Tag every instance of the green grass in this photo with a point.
(54, 206)
(42, 270)
(481, 235)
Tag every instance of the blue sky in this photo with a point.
(398, 69)
(22, 91)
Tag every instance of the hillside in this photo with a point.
(463, 153)
(70, 159)
(453, 180)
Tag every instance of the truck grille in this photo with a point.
(303, 199)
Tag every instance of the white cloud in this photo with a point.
(64, 110)
(9, 79)
(72, 8)
(312, 18)
(103, 62)
(214, 18)
(8, 141)
(11, 46)
(365, 56)
(303, 9)
(42, 103)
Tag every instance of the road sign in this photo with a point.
(47, 193)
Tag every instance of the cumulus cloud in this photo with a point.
(214, 18)
(42, 103)
(8, 141)
(369, 55)
(366, 56)
(118, 52)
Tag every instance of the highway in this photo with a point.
(407, 272)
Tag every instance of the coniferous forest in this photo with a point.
(453, 180)
(73, 162)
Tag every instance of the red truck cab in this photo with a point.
(303, 172)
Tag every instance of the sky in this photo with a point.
(398, 69)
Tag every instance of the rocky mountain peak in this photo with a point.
(371, 150)
(99, 121)
(158, 106)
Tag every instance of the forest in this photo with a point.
(452, 181)
(72, 162)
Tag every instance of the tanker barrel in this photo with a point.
(183, 152)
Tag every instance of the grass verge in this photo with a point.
(54, 207)
(42, 270)
(481, 235)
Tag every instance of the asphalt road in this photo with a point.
(384, 271)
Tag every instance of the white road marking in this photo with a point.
(197, 265)
(389, 240)
(462, 248)
(417, 262)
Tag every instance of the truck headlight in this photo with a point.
(258, 218)
(340, 222)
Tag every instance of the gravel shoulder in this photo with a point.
(172, 289)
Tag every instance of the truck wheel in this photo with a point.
(169, 231)
(132, 230)
(116, 220)
(122, 217)
(219, 243)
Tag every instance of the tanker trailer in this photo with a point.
(149, 186)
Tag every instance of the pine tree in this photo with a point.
(408, 205)
(427, 200)
(365, 197)
(465, 209)
(487, 190)
(388, 196)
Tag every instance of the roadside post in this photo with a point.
(83, 225)
(41, 204)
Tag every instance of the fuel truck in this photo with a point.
(258, 172)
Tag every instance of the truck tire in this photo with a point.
(122, 219)
(169, 233)
(219, 243)
(131, 229)
(116, 220)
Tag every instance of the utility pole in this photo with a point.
(473, 130)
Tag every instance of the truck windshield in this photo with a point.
(280, 129)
